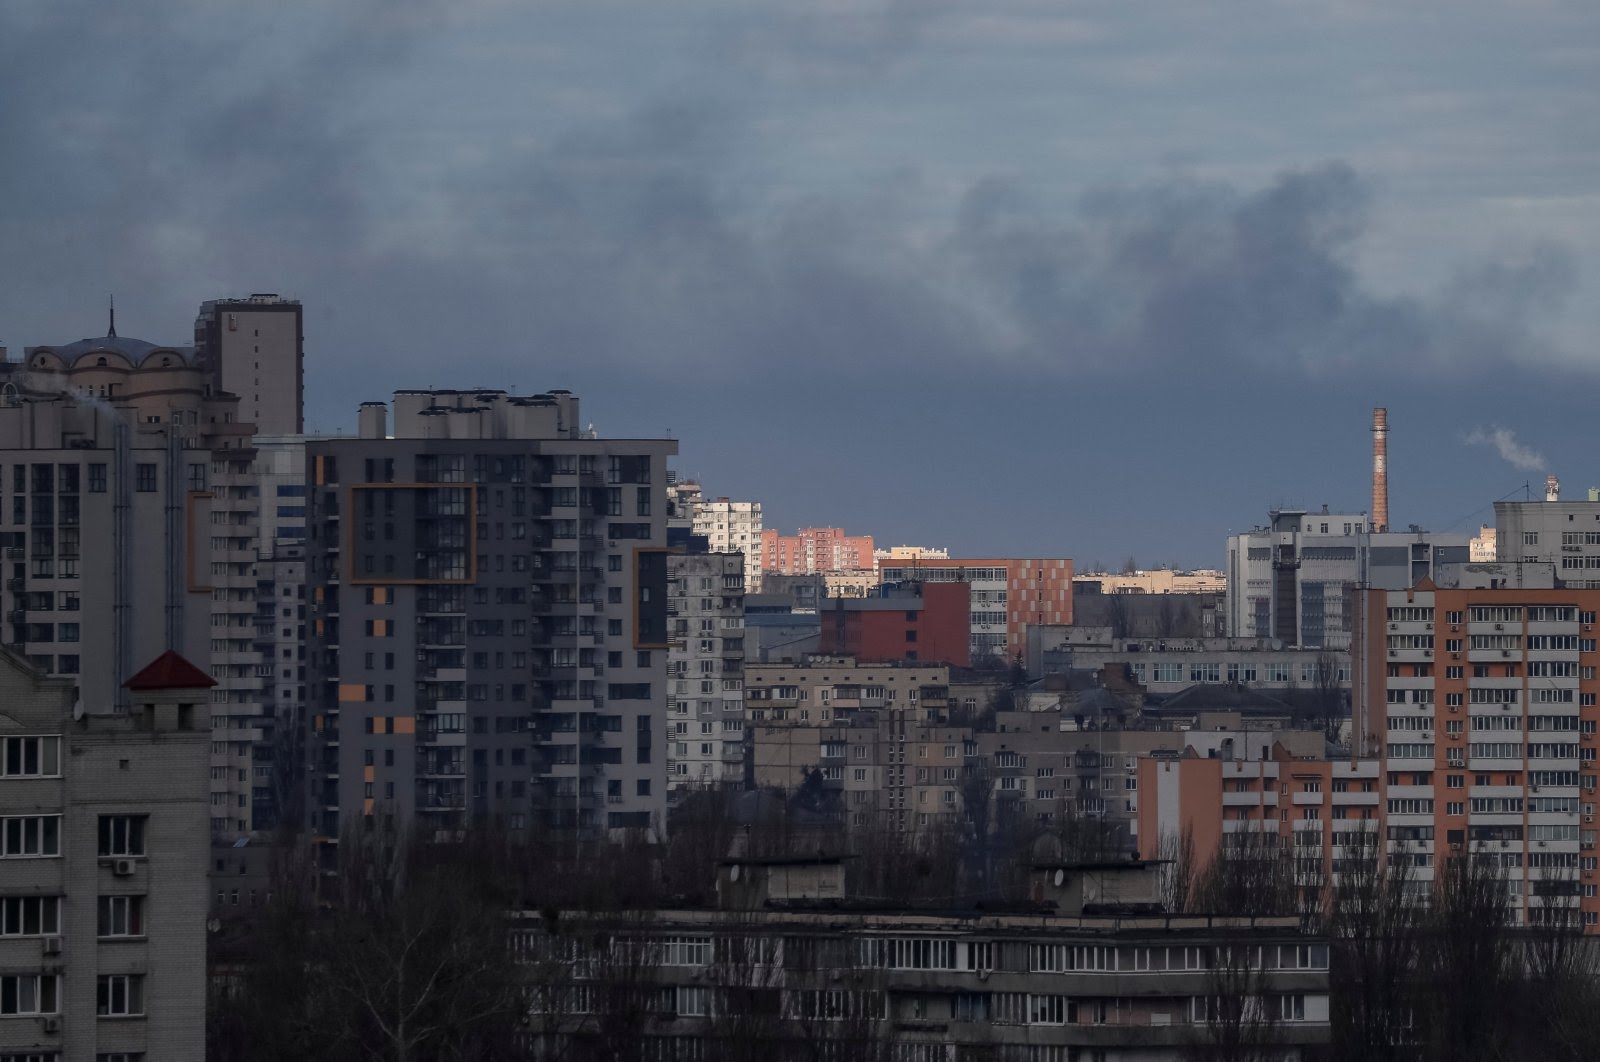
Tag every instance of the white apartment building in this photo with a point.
(733, 527)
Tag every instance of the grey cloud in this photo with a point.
(630, 243)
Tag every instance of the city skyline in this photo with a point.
(837, 232)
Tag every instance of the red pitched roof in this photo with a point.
(169, 671)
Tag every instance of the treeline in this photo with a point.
(1421, 970)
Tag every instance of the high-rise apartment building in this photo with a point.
(130, 528)
(1007, 596)
(102, 867)
(727, 526)
(1482, 706)
(705, 696)
(816, 551)
(487, 609)
(1293, 579)
(255, 348)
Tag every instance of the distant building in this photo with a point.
(1168, 665)
(1324, 811)
(1293, 579)
(1156, 581)
(1007, 595)
(906, 622)
(1563, 533)
(255, 348)
(727, 526)
(816, 551)
(1484, 546)
(705, 663)
(909, 553)
(103, 867)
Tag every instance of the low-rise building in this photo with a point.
(1092, 968)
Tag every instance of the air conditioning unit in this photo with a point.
(1430, 627)
(1499, 626)
(52, 945)
(52, 1025)
(123, 868)
(1588, 820)
(1394, 626)
(1455, 626)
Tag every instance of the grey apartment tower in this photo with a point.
(487, 605)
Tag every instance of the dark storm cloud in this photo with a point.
(182, 163)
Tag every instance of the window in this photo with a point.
(97, 479)
(122, 835)
(145, 478)
(26, 836)
(30, 916)
(30, 757)
(121, 916)
(29, 994)
(119, 995)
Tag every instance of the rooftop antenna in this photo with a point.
(112, 334)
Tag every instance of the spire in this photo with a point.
(112, 334)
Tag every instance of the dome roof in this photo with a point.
(134, 350)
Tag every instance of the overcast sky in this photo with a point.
(1014, 277)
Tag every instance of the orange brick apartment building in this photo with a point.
(1475, 714)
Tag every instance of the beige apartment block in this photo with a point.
(103, 848)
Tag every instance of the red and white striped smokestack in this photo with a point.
(1380, 469)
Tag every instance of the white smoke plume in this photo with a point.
(1514, 453)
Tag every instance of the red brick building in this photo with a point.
(1006, 594)
(913, 623)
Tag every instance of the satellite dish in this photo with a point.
(214, 925)
(733, 872)
(1061, 876)
(77, 710)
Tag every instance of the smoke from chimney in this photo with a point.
(1380, 469)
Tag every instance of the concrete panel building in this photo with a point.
(102, 867)
(705, 665)
(488, 613)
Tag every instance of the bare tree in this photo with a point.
(1373, 920)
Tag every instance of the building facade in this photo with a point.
(487, 603)
(901, 622)
(102, 867)
(255, 348)
(816, 551)
(705, 665)
(1092, 970)
(132, 527)
(1007, 596)
(1481, 706)
(1293, 579)
(727, 526)
(1565, 534)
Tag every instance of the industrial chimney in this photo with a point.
(1552, 488)
(1380, 469)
